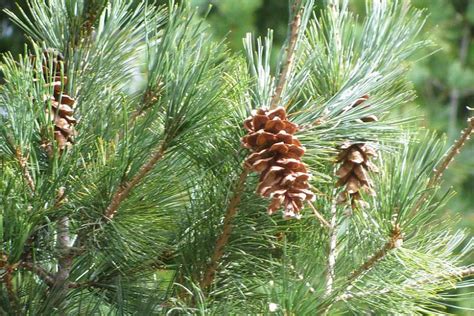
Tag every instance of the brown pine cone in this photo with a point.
(356, 165)
(354, 172)
(277, 157)
(60, 106)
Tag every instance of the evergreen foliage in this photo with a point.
(151, 210)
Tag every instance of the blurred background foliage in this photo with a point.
(443, 77)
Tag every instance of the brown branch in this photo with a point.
(330, 272)
(125, 188)
(24, 169)
(290, 51)
(448, 158)
(395, 241)
(221, 242)
(42, 274)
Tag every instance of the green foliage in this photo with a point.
(160, 106)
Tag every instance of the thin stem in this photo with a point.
(448, 158)
(126, 187)
(221, 242)
(290, 51)
(330, 272)
(319, 216)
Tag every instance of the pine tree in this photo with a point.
(127, 184)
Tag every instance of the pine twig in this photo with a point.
(449, 157)
(290, 51)
(44, 275)
(125, 188)
(459, 274)
(24, 169)
(330, 272)
(65, 258)
(221, 242)
(319, 216)
(149, 98)
(395, 241)
(453, 151)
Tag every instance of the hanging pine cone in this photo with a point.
(355, 167)
(61, 109)
(354, 172)
(277, 156)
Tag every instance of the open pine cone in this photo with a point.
(354, 172)
(277, 156)
(62, 105)
(355, 166)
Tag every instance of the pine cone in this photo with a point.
(354, 172)
(62, 105)
(355, 167)
(277, 156)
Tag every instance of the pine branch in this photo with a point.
(65, 257)
(396, 238)
(448, 158)
(24, 169)
(395, 241)
(459, 274)
(330, 272)
(290, 51)
(126, 187)
(44, 275)
(232, 209)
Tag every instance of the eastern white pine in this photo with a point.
(125, 188)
